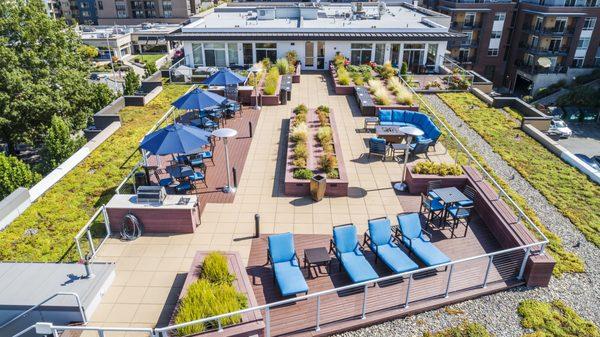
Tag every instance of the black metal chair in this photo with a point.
(434, 209)
(460, 215)
(378, 146)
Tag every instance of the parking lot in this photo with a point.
(585, 139)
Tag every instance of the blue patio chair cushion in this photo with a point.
(197, 176)
(380, 232)
(184, 186)
(385, 115)
(289, 278)
(345, 239)
(196, 161)
(281, 247)
(465, 203)
(207, 154)
(395, 258)
(165, 182)
(357, 267)
(435, 204)
(408, 117)
(426, 251)
(458, 213)
(387, 123)
(410, 224)
(398, 116)
(433, 195)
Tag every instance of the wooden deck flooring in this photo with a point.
(342, 311)
(216, 175)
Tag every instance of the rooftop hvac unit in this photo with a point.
(151, 194)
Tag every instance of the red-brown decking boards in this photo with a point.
(341, 311)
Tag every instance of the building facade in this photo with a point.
(526, 45)
(243, 34)
(129, 12)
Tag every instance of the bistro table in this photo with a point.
(316, 257)
(180, 171)
(391, 134)
(449, 195)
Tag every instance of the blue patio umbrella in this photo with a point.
(224, 77)
(175, 138)
(199, 99)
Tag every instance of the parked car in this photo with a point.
(592, 162)
(559, 128)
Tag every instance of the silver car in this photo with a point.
(559, 128)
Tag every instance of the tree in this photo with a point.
(42, 74)
(88, 52)
(403, 70)
(150, 69)
(59, 144)
(13, 174)
(132, 82)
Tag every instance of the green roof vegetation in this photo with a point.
(550, 319)
(570, 191)
(466, 329)
(45, 231)
(565, 261)
(147, 58)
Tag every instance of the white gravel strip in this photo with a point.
(498, 312)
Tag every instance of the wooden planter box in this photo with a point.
(252, 323)
(417, 183)
(338, 88)
(266, 100)
(300, 187)
(296, 75)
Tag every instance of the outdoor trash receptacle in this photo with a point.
(140, 179)
(317, 187)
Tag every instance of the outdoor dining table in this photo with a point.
(450, 196)
(180, 171)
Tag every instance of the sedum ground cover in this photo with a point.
(565, 261)
(466, 329)
(550, 319)
(45, 231)
(570, 191)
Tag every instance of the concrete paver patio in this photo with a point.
(151, 269)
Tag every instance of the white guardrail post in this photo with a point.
(364, 306)
(524, 263)
(487, 271)
(267, 322)
(318, 326)
(448, 282)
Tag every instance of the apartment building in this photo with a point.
(128, 12)
(52, 8)
(526, 45)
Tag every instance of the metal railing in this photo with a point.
(89, 229)
(26, 312)
(515, 269)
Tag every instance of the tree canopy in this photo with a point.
(13, 174)
(43, 73)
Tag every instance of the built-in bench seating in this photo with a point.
(411, 118)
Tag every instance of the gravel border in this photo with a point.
(498, 312)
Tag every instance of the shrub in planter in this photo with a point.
(357, 79)
(301, 151)
(328, 162)
(343, 76)
(404, 96)
(404, 70)
(292, 57)
(300, 109)
(375, 85)
(303, 173)
(212, 294)
(271, 81)
(386, 71)
(266, 63)
(381, 97)
(325, 135)
(323, 114)
(339, 60)
(283, 66)
(299, 133)
(440, 169)
(299, 162)
(334, 174)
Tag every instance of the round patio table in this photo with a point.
(410, 132)
(180, 171)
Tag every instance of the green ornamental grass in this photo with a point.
(550, 319)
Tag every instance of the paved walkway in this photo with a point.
(151, 269)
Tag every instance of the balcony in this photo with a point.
(478, 1)
(565, 3)
(544, 31)
(461, 26)
(535, 70)
(463, 44)
(537, 51)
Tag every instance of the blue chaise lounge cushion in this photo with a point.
(350, 256)
(290, 278)
(281, 247)
(419, 244)
(382, 244)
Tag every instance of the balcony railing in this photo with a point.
(460, 26)
(565, 3)
(534, 70)
(477, 1)
(549, 31)
(563, 51)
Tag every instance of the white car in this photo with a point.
(559, 128)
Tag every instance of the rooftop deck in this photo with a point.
(342, 311)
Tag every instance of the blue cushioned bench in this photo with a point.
(412, 118)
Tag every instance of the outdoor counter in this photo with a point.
(177, 214)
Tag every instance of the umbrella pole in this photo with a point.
(227, 188)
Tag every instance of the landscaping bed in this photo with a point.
(217, 283)
(314, 148)
(45, 231)
(569, 190)
(417, 182)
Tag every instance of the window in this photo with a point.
(493, 52)
(469, 19)
(167, 6)
(168, 13)
(232, 53)
(266, 50)
(247, 49)
(583, 43)
(432, 54)
(500, 16)
(120, 6)
(488, 72)
(469, 38)
(85, 14)
(100, 5)
(413, 55)
(121, 14)
(197, 54)
(496, 34)
(589, 24)
(360, 53)
(578, 62)
(463, 55)
(379, 53)
(214, 55)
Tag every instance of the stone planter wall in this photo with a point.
(417, 183)
(266, 100)
(296, 75)
(300, 187)
(252, 323)
(338, 88)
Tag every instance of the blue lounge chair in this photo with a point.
(349, 253)
(378, 146)
(285, 265)
(199, 176)
(418, 241)
(163, 181)
(183, 186)
(381, 242)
